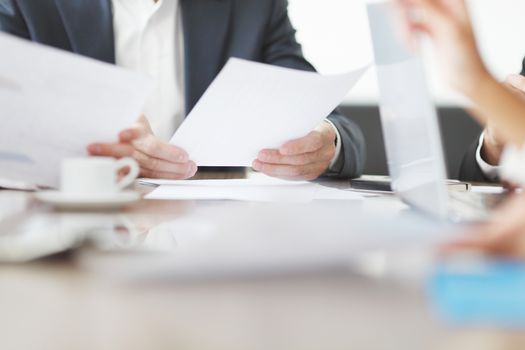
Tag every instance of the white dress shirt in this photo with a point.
(492, 172)
(149, 39)
(512, 167)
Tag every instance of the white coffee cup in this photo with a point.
(96, 176)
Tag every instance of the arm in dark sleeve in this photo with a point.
(351, 161)
(282, 49)
(470, 170)
(11, 21)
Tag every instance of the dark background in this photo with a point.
(458, 132)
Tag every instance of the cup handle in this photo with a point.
(134, 171)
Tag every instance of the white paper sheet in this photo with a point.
(252, 106)
(53, 104)
(256, 190)
(257, 179)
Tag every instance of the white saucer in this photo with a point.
(67, 201)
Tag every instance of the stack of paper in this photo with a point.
(259, 189)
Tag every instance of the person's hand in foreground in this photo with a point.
(157, 159)
(306, 158)
(503, 235)
(448, 24)
(493, 143)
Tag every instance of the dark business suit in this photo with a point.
(214, 31)
(470, 170)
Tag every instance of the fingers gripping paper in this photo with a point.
(253, 106)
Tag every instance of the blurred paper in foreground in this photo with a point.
(54, 104)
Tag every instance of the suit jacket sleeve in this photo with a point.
(11, 20)
(282, 49)
(470, 170)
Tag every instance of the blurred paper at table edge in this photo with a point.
(55, 103)
(253, 106)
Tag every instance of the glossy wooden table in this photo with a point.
(64, 303)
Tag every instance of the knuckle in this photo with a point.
(152, 163)
(277, 158)
(125, 151)
(305, 159)
(291, 148)
(271, 157)
(296, 171)
(151, 146)
(130, 151)
(139, 157)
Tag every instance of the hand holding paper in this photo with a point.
(156, 158)
(306, 158)
(252, 107)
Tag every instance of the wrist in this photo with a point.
(335, 138)
(328, 129)
(491, 152)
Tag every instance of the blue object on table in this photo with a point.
(488, 294)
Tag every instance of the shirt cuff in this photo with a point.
(337, 145)
(490, 171)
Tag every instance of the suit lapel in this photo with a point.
(206, 24)
(89, 25)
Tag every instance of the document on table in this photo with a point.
(259, 189)
(54, 104)
(253, 179)
(253, 106)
